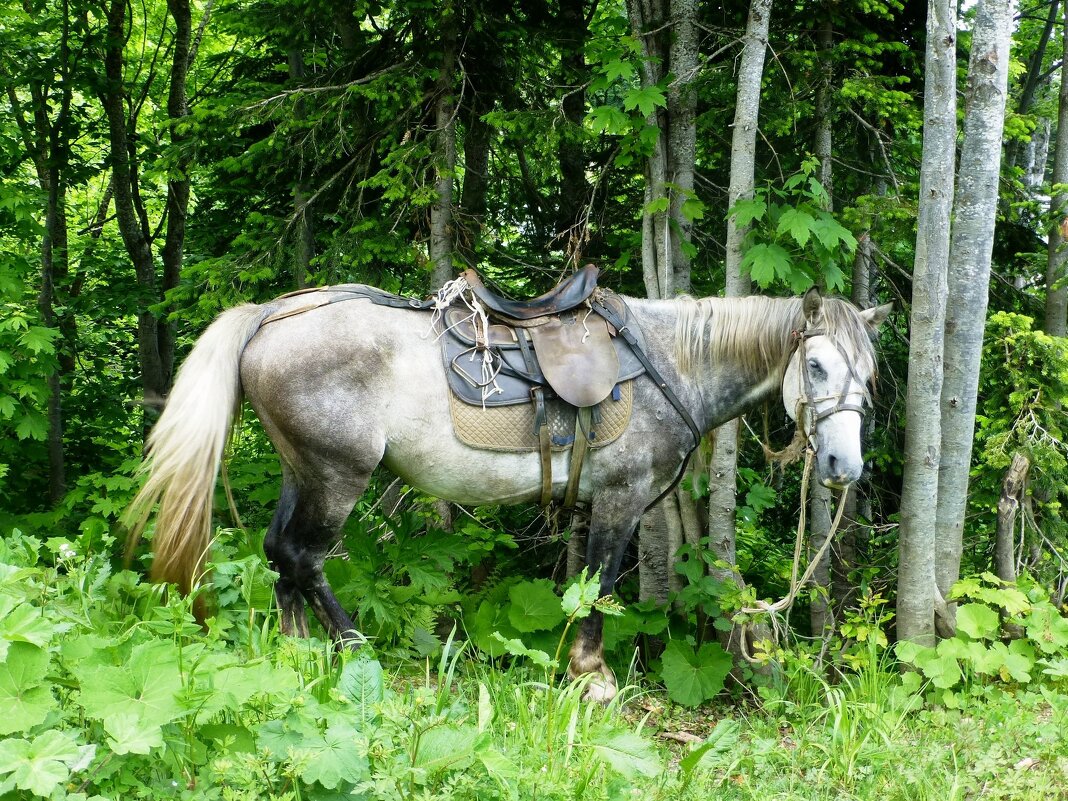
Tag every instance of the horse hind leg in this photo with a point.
(294, 619)
(307, 525)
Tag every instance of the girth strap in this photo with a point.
(583, 422)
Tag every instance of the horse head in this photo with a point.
(825, 385)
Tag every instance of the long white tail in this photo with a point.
(186, 445)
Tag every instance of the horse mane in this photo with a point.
(755, 332)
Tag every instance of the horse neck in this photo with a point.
(739, 348)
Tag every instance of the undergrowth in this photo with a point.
(110, 689)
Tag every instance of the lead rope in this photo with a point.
(763, 607)
(772, 609)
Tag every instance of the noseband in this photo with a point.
(806, 413)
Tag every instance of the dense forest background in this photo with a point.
(160, 162)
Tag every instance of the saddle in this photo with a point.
(555, 346)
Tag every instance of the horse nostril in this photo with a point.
(832, 464)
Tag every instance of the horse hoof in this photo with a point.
(601, 689)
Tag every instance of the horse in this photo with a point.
(346, 386)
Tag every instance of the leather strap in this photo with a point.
(541, 419)
(583, 420)
(541, 425)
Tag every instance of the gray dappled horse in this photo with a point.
(347, 386)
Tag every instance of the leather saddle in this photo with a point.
(554, 346)
(571, 351)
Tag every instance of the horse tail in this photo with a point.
(185, 448)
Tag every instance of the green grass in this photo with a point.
(109, 690)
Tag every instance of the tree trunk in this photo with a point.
(178, 182)
(442, 245)
(919, 498)
(819, 500)
(303, 233)
(974, 213)
(723, 466)
(129, 212)
(476, 179)
(682, 134)
(1056, 323)
(1013, 489)
(1032, 79)
(646, 21)
(571, 151)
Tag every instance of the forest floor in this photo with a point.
(109, 690)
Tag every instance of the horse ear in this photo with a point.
(873, 318)
(812, 306)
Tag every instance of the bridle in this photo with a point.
(806, 413)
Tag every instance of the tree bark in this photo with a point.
(442, 245)
(1013, 489)
(130, 214)
(303, 232)
(974, 213)
(1056, 322)
(819, 501)
(571, 152)
(1032, 79)
(916, 575)
(646, 19)
(723, 466)
(682, 134)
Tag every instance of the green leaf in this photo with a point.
(693, 677)
(147, 685)
(580, 597)
(831, 233)
(722, 739)
(658, 206)
(978, 621)
(361, 680)
(24, 623)
(797, 224)
(128, 734)
(646, 99)
(745, 211)
(627, 753)
(446, 748)
(764, 262)
(24, 698)
(38, 339)
(335, 757)
(615, 70)
(692, 209)
(515, 647)
(1047, 629)
(32, 426)
(7, 407)
(534, 606)
(44, 764)
(608, 119)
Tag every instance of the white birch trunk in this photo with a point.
(1056, 321)
(723, 465)
(441, 239)
(923, 437)
(975, 209)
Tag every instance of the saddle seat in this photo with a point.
(572, 351)
(568, 294)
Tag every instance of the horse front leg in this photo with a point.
(610, 532)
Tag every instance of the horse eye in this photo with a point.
(815, 366)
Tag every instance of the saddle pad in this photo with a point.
(511, 428)
(576, 356)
